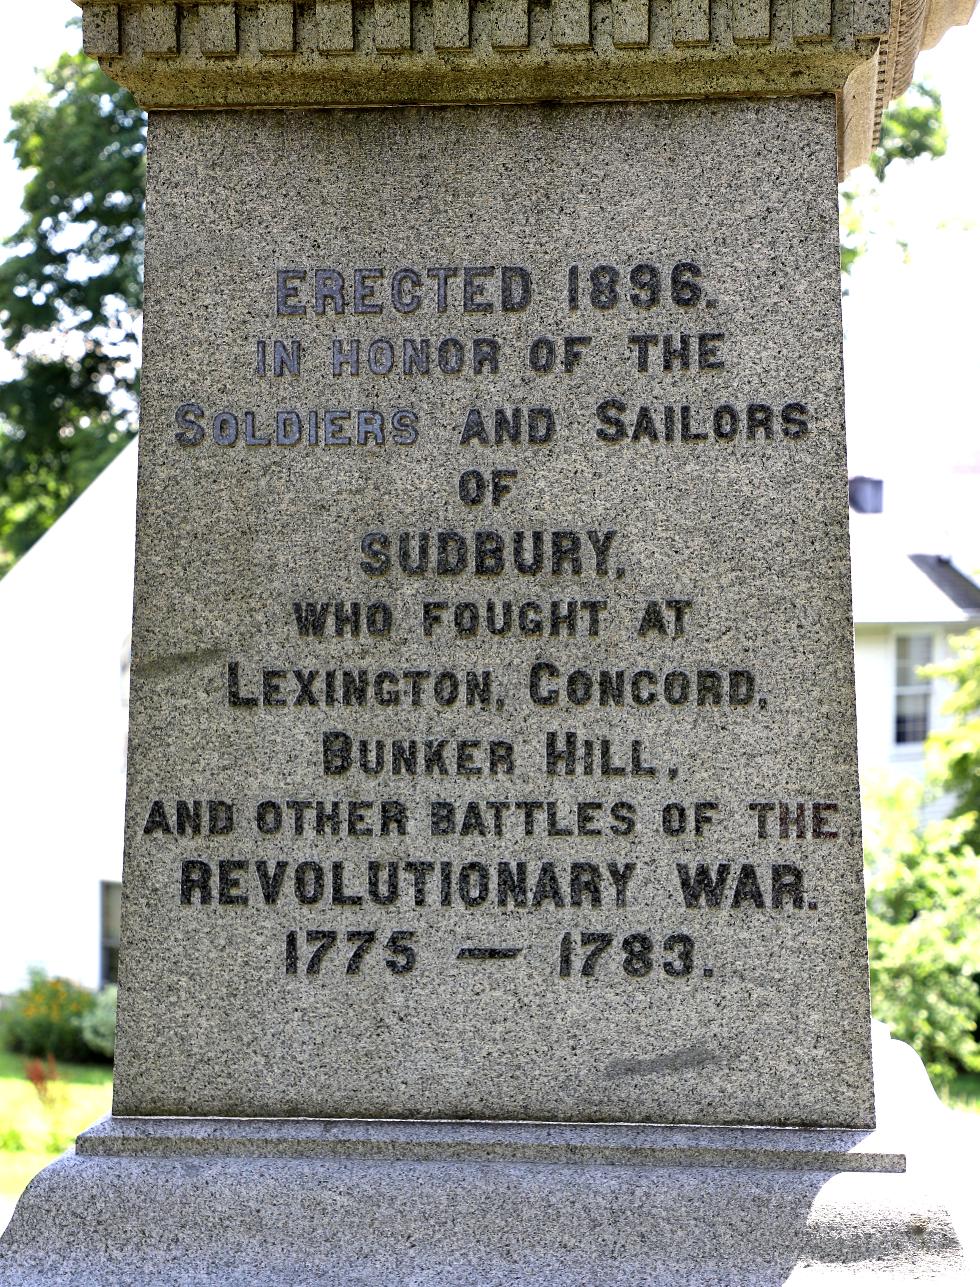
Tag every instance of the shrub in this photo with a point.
(45, 1018)
(954, 752)
(11, 1140)
(99, 1024)
(923, 888)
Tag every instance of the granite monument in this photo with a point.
(492, 779)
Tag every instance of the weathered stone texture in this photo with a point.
(231, 52)
(747, 523)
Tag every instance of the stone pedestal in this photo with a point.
(253, 1202)
(459, 1205)
(492, 1204)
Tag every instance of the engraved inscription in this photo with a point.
(352, 664)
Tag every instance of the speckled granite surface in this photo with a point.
(533, 803)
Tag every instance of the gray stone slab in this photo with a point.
(336, 1219)
(692, 725)
(759, 1148)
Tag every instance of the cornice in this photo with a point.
(347, 53)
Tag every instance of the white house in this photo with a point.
(65, 617)
(908, 605)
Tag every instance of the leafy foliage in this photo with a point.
(70, 297)
(45, 1018)
(911, 127)
(99, 1024)
(923, 888)
(954, 752)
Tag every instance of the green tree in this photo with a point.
(954, 752)
(911, 127)
(923, 887)
(70, 297)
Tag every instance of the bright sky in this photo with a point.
(911, 333)
(912, 340)
(33, 36)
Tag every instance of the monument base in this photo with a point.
(244, 1201)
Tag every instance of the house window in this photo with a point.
(111, 901)
(912, 688)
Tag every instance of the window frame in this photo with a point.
(921, 687)
(108, 940)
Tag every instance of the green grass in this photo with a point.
(32, 1134)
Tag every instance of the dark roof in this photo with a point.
(866, 495)
(954, 584)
